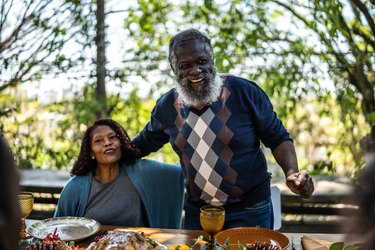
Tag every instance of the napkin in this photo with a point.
(309, 243)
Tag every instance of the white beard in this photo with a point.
(192, 100)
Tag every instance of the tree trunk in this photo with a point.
(101, 60)
(368, 146)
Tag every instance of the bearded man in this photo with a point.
(216, 124)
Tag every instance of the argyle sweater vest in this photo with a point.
(219, 146)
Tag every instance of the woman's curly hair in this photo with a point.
(86, 164)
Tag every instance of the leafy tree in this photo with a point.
(293, 45)
(36, 39)
(101, 93)
(34, 36)
(300, 52)
(294, 49)
(39, 135)
(328, 146)
(133, 114)
(39, 38)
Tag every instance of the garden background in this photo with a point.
(64, 63)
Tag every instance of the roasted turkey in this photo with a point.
(124, 240)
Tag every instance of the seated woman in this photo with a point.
(110, 185)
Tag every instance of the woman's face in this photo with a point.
(105, 145)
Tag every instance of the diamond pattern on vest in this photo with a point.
(204, 159)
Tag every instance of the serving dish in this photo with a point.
(247, 235)
(125, 239)
(68, 228)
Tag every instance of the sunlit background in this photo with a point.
(314, 59)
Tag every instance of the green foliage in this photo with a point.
(295, 50)
(322, 167)
(324, 146)
(85, 105)
(371, 117)
(133, 114)
(33, 37)
(37, 141)
(304, 54)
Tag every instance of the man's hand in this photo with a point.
(301, 184)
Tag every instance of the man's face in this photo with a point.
(195, 72)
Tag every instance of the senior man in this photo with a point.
(215, 123)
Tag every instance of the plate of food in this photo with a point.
(125, 240)
(251, 238)
(67, 228)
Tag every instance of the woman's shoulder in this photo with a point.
(154, 166)
(77, 181)
(154, 163)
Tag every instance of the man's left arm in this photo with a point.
(299, 183)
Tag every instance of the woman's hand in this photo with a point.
(301, 184)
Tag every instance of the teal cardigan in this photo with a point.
(160, 185)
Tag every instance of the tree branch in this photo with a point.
(291, 10)
(6, 43)
(365, 37)
(112, 107)
(4, 16)
(115, 12)
(362, 7)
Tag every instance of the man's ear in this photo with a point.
(174, 71)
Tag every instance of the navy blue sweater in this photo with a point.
(219, 146)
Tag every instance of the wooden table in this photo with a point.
(170, 237)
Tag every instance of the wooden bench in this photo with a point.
(45, 201)
(321, 213)
(324, 212)
(46, 184)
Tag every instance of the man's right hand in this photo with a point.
(301, 184)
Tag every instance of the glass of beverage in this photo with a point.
(212, 220)
(26, 202)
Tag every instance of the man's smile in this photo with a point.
(197, 80)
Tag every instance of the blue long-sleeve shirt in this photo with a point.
(219, 146)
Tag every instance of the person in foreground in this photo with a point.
(111, 186)
(215, 124)
(361, 226)
(10, 220)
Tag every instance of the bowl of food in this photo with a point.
(252, 238)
